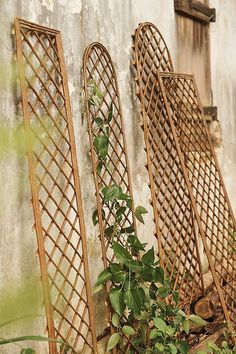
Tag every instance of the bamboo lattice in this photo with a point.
(55, 188)
(192, 211)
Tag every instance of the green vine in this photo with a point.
(138, 287)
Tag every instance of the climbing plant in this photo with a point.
(145, 308)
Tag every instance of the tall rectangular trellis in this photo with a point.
(55, 188)
(213, 206)
(192, 211)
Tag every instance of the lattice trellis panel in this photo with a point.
(174, 218)
(191, 208)
(99, 69)
(217, 219)
(55, 188)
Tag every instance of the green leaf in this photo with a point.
(134, 265)
(104, 276)
(120, 211)
(97, 90)
(115, 320)
(213, 346)
(117, 300)
(130, 283)
(118, 277)
(160, 347)
(95, 217)
(101, 143)
(141, 294)
(123, 196)
(128, 330)
(170, 331)
(99, 167)
(111, 193)
(110, 113)
(173, 348)
(186, 326)
(197, 320)
(170, 310)
(109, 231)
(149, 257)
(132, 300)
(27, 351)
(178, 320)
(158, 275)
(115, 267)
(159, 324)
(225, 344)
(94, 100)
(182, 313)
(154, 333)
(97, 288)
(99, 121)
(183, 347)
(136, 245)
(122, 255)
(144, 329)
(127, 230)
(163, 291)
(113, 341)
(138, 212)
(129, 203)
(175, 297)
(146, 274)
(152, 291)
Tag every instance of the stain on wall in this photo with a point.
(193, 53)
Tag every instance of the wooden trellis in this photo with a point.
(98, 70)
(173, 214)
(55, 187)
(192, 211)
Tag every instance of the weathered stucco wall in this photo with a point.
(223, 68)
(111, 22)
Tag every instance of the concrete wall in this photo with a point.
(112, 22)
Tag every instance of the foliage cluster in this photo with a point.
(145, 308)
